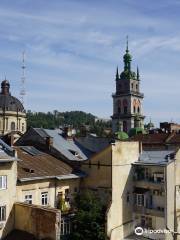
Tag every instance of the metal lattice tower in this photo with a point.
(23, 79)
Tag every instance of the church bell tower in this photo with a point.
(127, 100)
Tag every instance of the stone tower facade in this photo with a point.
(127, 100)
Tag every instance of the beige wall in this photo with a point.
(53, 187)
(119, 217)
(98, 169)
(8, 196)
(43, 223)
(12, 117)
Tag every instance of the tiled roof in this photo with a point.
(151, 138)
(40, 166)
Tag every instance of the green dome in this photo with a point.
(126, 74)
(122, 135)
(135, 131)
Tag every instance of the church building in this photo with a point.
(127, 100)
(12, 112)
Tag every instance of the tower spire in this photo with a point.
(127, 43)
(138, 77)
(23, 78)
(117, 74)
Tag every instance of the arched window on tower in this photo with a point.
(138, 109)
(136, 87)
(138, 106)
(22, 127)
(119, 106)
(134, 109)
(134, 105)
(132, 86)
(125, 106)
(124, 126)
(13, 125)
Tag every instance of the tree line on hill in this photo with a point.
(83, 122)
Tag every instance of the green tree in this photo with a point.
(89, 221)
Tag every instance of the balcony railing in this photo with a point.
(150, 210)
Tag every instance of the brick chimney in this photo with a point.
(49, 142)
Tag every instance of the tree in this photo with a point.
(89, 221)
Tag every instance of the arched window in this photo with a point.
(119, 106)
(124, 126)
(138, 109)
(22, 127)
(13, 126)
(132, 86)
(125, 106)
(134, 109)
(136, 87)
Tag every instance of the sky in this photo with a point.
(72, 49)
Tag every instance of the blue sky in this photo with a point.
(73, 47)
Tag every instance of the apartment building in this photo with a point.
(154, 192)
(8, 177)
(46, 181)
(141, 188)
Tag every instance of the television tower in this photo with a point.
(23, 79)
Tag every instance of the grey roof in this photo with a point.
(93, 144)
(156, 157)
(67, 147)
(7, 154)
(10, 103)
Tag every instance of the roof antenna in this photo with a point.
(23, 79)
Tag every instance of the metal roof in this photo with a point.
(67, 147)
(156, 157)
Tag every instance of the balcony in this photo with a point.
(153, 210)
(155, 180)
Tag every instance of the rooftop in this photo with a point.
(35, 164)
(156, 157)
(68, 147)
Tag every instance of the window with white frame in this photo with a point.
(3, 182)
(28, 198)
(65, 226)
(2, 213)
(44, 198)
(139, 199)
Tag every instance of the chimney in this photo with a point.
(49, 142)
(140, 147)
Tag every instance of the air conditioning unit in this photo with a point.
(1, 225)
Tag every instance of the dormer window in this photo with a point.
(76, 154)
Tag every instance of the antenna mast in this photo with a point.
(23, 79)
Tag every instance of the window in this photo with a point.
(136, 87)
(3, 182)
(138, 110)
(139, 199)
(44, 198)
(2, 213)
(125, 109)
(22, 127)
(132, 86)
(28, 198)
(65, 226)
(67, 195)
(134, 109)
(128, 197)
(12, 126)
(124, 126)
